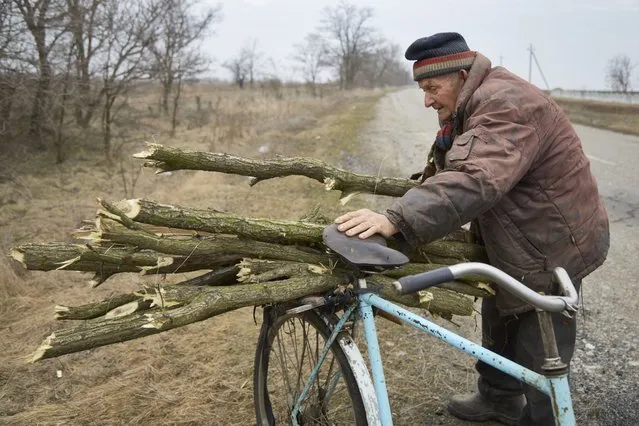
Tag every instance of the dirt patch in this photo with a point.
(623, 118)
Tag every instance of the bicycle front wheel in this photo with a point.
(287, 352)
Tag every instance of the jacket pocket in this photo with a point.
(460, 150)
(519, 237)
(507, 246)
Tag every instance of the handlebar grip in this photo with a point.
(413, 283)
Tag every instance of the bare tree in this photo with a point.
(45, 22)
(84, 17)
(244, 66)
(8, 47)
(175, 49)
(311, 58)
(619, 72)
(6, 9)
(237, 67)
(384, 66)
(350, 38)
(253, 60)
(128, 29)
(59, 104)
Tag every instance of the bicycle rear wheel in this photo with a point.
(287, 352)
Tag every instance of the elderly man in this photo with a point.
(507, 160)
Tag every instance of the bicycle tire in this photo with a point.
(273, 402)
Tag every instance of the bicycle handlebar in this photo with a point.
(567, 304)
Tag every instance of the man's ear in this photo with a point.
(463, 74)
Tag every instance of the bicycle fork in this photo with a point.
(318, 365)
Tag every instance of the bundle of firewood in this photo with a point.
(243, 261)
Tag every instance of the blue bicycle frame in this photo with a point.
(555, 385)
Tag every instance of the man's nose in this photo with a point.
(428, 101)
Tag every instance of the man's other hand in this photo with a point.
(365, 223)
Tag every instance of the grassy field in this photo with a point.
(201, 374)
(622, 118)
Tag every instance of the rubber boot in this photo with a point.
(477, 408)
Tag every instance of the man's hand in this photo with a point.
(365, 223)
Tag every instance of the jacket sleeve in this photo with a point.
(484, 163)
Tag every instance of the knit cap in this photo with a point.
(439, 54)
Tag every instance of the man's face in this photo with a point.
(441, 92)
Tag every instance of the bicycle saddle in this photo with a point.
(370, 253)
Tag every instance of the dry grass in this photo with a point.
(201, 374)
(617, 117)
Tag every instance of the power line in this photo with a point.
(532, 57)
(541, 72)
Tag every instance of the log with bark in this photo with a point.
(161, 308)
(167, 159)
(241, 261)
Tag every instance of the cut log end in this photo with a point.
(319, 269)
(129, 207)
(425, 297)
(486, 287)
(95, 283)
(60, 312)
(98, 279)
(18, 256)
(42, 349)
(329, 183)
(152, 148)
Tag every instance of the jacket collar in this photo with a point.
(478, 72)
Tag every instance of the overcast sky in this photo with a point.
(573, 39)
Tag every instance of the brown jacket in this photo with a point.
(518, 171)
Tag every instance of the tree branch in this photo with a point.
(167, 159)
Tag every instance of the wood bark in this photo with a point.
(210, 301)
(257, 270)
(252, 261)
(176, 306)
(94, 310)
(109, 259)
(132, 212)
(210, 245)
(166, 159)
(438, 301)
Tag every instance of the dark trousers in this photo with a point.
(518, 338)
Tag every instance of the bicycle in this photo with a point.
(324, 378)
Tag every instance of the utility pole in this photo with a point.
(530, 56)
(501, 60)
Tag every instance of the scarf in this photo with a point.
(444, 139)
(443, 143)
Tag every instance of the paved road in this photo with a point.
(606, 365)
(607, 362)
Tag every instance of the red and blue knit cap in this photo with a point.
(439, 54)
